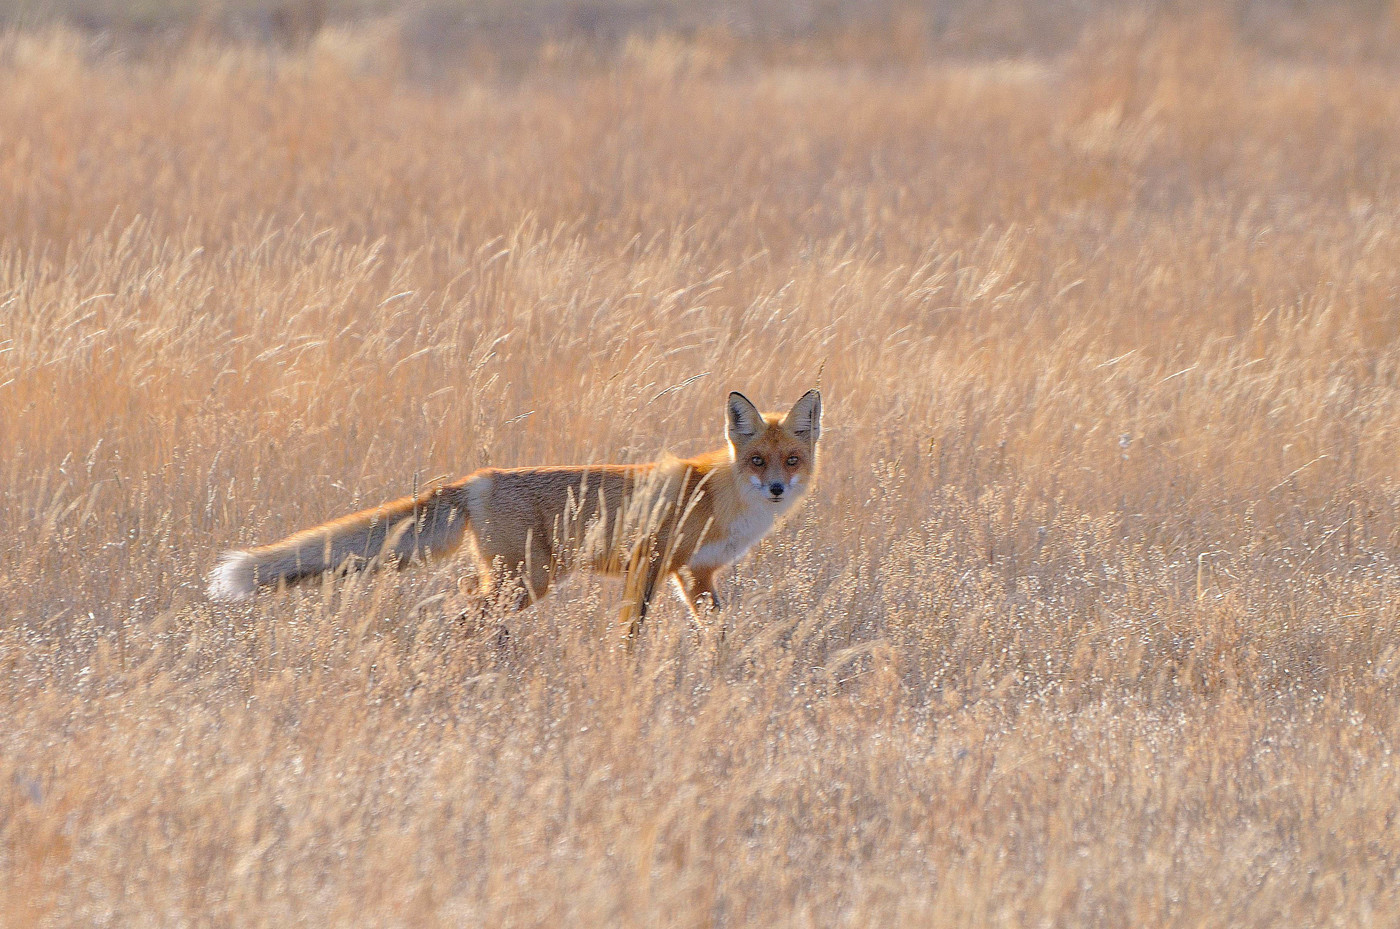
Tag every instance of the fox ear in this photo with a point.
(742, 419)
(804, 420)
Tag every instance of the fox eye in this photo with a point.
(757, 461)
(792, 461)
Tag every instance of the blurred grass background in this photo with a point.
(446, 29)
(1091, 619)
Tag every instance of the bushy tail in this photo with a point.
(412, 528)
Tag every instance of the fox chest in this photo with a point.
(741, 536)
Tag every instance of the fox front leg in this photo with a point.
(642, 582)
(698, 587)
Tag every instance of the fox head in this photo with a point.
(774, 456)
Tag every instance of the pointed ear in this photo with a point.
(742, 419)
(804, 420)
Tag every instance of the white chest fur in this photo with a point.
(752, 524)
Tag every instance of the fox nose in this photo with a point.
(776, 489)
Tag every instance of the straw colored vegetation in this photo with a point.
(1093, 618)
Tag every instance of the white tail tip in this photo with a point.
(233, 578)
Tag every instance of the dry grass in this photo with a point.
(1094, 618)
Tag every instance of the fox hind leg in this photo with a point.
(497, 589)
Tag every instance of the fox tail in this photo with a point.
(428, 525)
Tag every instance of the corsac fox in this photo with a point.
(683, 518)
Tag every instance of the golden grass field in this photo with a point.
(1093, 618)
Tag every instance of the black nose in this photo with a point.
(775, 489)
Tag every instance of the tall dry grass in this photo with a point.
(1091, 621)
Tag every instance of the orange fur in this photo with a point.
(526, 527)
